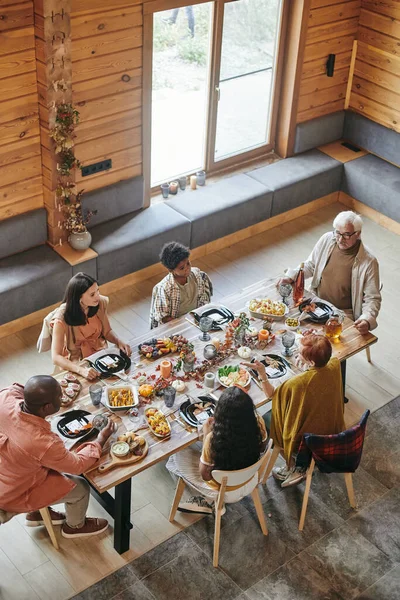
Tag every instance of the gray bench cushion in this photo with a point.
(374, 182)
(372, 137)
(115, 200)
(318, 132)
(134, 241)
(223, 207)
(300, 179)
(23, 232)
(30, 281)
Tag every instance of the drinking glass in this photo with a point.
(134, 415)
(99, 422)
(288, 340)
(285, 289)
(169, 394)
(96, 392)
(205, 325)
(209, 352)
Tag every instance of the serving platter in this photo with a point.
(158, 414)
(233, 383)
(113, 393)
(121, 461)
(321, 313)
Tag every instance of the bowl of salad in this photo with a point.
(233, 375)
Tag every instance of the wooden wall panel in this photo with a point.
(20, 156)
(375, 88)
(332, 29)
(107, 87)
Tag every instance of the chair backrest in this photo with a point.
(337, 453)
(44, 340)
(243, 476)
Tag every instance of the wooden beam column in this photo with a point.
(54, 74)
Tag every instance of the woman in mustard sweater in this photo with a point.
(311, 402)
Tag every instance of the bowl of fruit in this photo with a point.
(292, 323)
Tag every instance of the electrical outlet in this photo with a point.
(104, 165)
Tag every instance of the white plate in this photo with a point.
(163, 436)
(225, 385)
(110, 388)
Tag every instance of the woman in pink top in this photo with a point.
(81, 326)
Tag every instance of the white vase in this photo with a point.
(80, 241)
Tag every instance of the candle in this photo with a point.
(165, 369)
(173, 187)
(193, 182)
(209, 380)
(263, 335)
(216, 342)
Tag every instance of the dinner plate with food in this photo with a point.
(317, 311)
(198, 411)
(275, 366)
(111, 364)
(157, 422)
(220, 315)
(233, 375)
(121, 397)
(265, 307)
(75, 424)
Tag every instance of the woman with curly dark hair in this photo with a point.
(233, 439)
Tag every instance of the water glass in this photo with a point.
(285, 289)
(165, 190)
(182, 183)
(205, 325)
(201, 177)
(169, 394)
(100, 422)
(96, 392)
(133, 415)
(288, 340)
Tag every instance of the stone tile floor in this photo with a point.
(342, 554)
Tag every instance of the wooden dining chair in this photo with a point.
(229, 482)
(368, 349)
(45, 514)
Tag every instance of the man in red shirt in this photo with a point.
(35, 467)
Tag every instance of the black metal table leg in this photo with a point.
(343, 366)
(122, 511)
(119, 509)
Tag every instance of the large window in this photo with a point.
(213, 74)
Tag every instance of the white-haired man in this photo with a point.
(344, 272)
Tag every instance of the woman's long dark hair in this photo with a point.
(236, 439)
(78, 285)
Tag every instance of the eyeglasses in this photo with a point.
(345, 235)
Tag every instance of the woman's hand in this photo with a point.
(124, 348)
(208, 426)
(88, 373)
(257, 366)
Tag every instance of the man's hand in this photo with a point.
(105, 433)
(362, 325)
(284, 280)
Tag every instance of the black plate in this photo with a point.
(71, 416)
(123, 362)
(187, 409)
(320, 318)
(275, 373)
(219, 314)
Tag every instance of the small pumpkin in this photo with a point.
(146, 390)
(179, 385)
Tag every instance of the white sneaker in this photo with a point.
(196, 504)
(294, 478)
(280, 473)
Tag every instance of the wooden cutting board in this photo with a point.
(118, 461)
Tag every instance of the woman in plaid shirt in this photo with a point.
(182, 290)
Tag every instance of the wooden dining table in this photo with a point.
(183, 435)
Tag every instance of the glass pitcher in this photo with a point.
(334, 325)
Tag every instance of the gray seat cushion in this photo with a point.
(224, 207)
(134, 241)
(318, 132)
(374, 182)
(115, 200)
(372, 137)
(22, 232)
(300, 179)
(31, 280)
